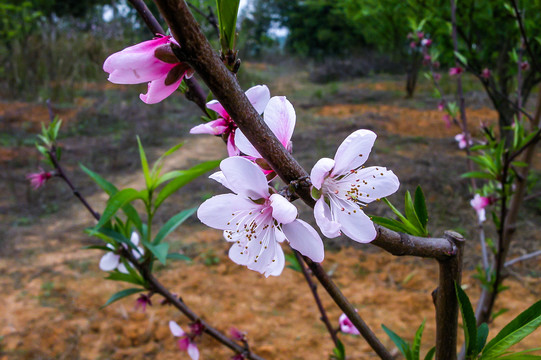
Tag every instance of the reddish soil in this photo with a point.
(53, 289)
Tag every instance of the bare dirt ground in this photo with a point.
(52, 290)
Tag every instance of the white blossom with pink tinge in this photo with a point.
(184, 343)
(346, 326)
(479, 203)
(280, 117)
(151, 61)
(257, 95)
(112, 261)
(343, 187)
(256, 221)
(463, 141)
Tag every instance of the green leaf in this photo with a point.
(461, 58)
(477, 175)
(97, 247)
(430, 353)
(293, 262)
(227, 18)
(522, 355)
(520, 327)
(111, 190)
(469, 322)
(177, 256)
(416, 347)
(339, 351)
(144, 164)
(399, 342)
(122, 294)
(184, 179)
(389, 224)
(115, 202)
(482, 333)
(410, 213)
(160, 250)
(420, 207)
(172, 224)
(118, 276)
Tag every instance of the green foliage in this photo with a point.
(122, 294)
(410, 352)
(339, 352)
(414, 222)
(294, 264)
(520, 327)
(227, 19)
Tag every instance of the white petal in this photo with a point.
(134, 238)
(193, 351)
(176, 330)
(282, 210)
(220, 177)
(322, 214)
(244, 145)
(217, 211)
(354, 151)
(370, 183)
(354, 222)
(320, 171)
(304, 239)
(259, 96)
(263, 259)
(280, 117)
(122, 268)
(109, 261)
(245, 178)
(238, 254)
(277, 266)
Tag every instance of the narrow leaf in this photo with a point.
(115, 202)
(468, 321)
(160, 250)
(177, 256)
(430, 353)
(416, 346)
(144, 164)
(520, 327)
(420, 206)
(172, 224)
(122, 294)
(398, 341)
(482, 334)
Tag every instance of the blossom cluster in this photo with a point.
(255, 218)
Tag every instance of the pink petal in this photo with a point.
(109, 261)
(183, 343)
(193, 351)
(322, 214)
(216, 127)
(354, 222)
(282, 210)
(259, 96)
(176, 330)
(346, 326)
(157, 90)
(238, 254)
(264, 258)
(320, 171)
(245, 178)
(232, 149)
(304, 239)
(216, 106)
(354, 151)
(280, 117)
(122, 268)
(217, 211)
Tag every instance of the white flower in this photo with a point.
(111, 260)
(255, 221)
(185, 343)
(343, 187)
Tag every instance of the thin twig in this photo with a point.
(210, 17)
(313, 289)
(523, 34)
(522, 258)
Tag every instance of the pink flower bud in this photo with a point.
(441, 106)
(437, 77)
(413, 44)
(39, 179)
(346, 326)
(236, 334)
(455, 71)
(142, 301)
(420, 35)
(426, 42)
(197, 328)
(486, 74)
(436, 64)
(447, 120)
(525, 66)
